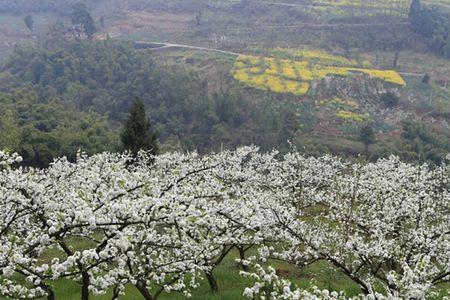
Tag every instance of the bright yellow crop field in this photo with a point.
(295, 75)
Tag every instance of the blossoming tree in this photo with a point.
(162, 223)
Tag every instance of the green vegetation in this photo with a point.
(90, 76)
(29, 22)
(310, 76)
(137, 134)
(104, 77)
(41, 132)
(424, 144)
(390, 99)
(433, 23)
(367, 137)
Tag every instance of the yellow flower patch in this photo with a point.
(350, 116)
(275, 84)
(385, 75)
(294, 75)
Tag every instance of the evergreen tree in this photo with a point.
(137, 134)
(10, 134)
(29, 22)
(367, 137)
(415, 10)
(428, 22)
(390, 99)
(289, 127)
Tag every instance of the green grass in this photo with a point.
(231, 283)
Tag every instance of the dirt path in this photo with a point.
(171, 46)
(163, 46)
(287, 4)
(411, 74)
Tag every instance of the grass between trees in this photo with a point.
(231, 283)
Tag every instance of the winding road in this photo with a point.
(162, 46)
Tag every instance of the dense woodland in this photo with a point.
(433, 24)
(81, 90)
(103, 78)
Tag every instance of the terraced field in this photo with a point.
(377, 4)
(293, 71)
(359, 7)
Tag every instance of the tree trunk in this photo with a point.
(85, 286)
(116, 293)
(50, 293)
(141, 286)
(242, 257)
(396, 57)
(366, 151)
(212, 282)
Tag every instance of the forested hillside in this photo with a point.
(42, 131)
(319, 94)
(225, 149)
(433, 24)
(82, 77)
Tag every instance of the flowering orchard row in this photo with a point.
(163, 223)
(295, 75)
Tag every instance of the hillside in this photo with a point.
(225, 149)
(312, 72)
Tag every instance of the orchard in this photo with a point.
(163, 224)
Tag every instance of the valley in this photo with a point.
(293, 149)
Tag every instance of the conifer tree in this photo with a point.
(367, 137)
(415, 10)
(29, 22)
(137, 133)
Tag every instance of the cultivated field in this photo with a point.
(304, 67)
(357, 7)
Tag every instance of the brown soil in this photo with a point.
(161, 22)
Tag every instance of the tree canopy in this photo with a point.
(136, 133)
(433, 23)
(164, 227)
(29, 22)
(103, 78)
(41, 132)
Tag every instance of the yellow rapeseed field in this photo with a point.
(350, 116)
(295, 73)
